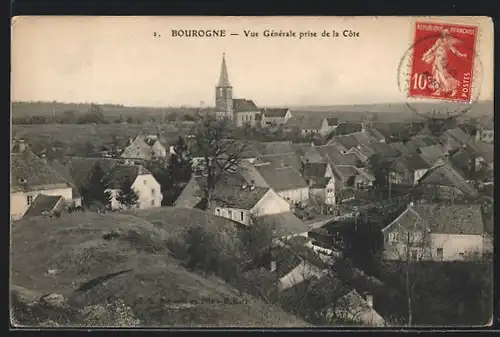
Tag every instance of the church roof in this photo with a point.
(224, 77)
(244, 105)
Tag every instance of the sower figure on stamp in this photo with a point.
(442, 80)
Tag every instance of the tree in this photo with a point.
(220, 152)
(95, 190)
(127, 196)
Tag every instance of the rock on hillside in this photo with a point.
(89, 269)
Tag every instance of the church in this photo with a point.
(241, 111)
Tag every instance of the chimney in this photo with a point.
(369, 300)
(22, 145)
(244, 186)
(273, 265)
(411, 203)
(252, 185)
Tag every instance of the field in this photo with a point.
(72, 135)
(70, 255)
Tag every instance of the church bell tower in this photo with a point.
(224, 93)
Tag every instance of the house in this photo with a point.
(432, 153)
(408, 169)
(145, 148)
(352, 140)
(321, 181)
(245, 112)
(280, 160)
(309, 125)
(348, 127)
(486, 133)
(139, 179)
(436, 232)
(336, 156)
(420, 141)
(287, 182)
(241, 111)
(353, 177)
(454, 138)
(285, 224)
(337, 302)
(444, 182)
(277, 116)
(30, 177)
(275, 148)
(333, 122)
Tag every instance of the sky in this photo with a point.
(118, 60)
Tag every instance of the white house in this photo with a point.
(285, 181)
(436, 232)
(146, 148)
(321, 181)
(141, 181)
(275, 116)
(31, 176)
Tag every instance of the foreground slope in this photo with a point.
(119, 263)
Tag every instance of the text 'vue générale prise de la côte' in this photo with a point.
(267, 33)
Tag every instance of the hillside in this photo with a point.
(386, 111)
(118, 264)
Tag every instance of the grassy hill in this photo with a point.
(119, 264)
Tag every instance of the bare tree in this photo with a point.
(220, 152)
(409, 247)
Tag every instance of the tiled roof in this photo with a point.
(301, 148)
(444, 174)
(230, 193)
(348, 127)
(244, 105)
(42, 203)
(81, 168)
(432, 153)
(313, 154)
(384, 149)
(456, 133)
(272, 148)
(402, 148)
(332, 121)
(314, 169)
(190, 196)
(454, 219)
(286, 260)
(363, 137)
(282, 160)
(420, 141)
(348, 171)
(413, 162)
(261, 276)
(285, 223)
(282, 179)
(306, 122)
(64, 172)
(29, 172)
(275, 113)
(347, 141)
(482, 149)
(121, 173)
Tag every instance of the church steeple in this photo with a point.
(224, 77)
(224, 93)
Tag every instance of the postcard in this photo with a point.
(255, 172)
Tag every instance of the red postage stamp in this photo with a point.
(443, 61)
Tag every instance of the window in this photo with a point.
(241, 216)
(145, 181)
(439, 253)
(230, 213)
(461, 254)
(217, 211)
(152, 202)
(29, 200)
(153, 192)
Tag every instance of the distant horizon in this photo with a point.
(437, 102)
